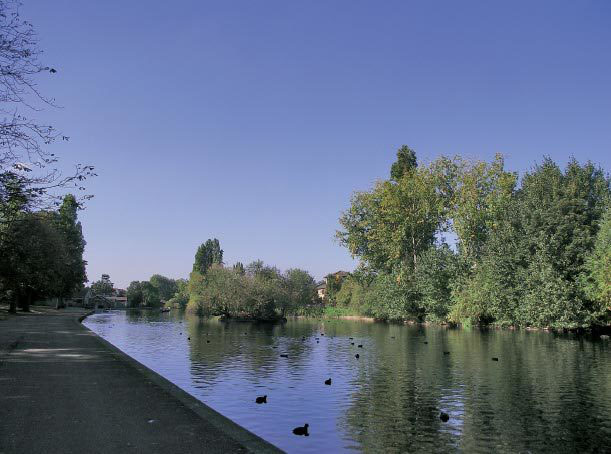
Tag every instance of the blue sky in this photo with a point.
(253, 122)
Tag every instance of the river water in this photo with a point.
(546, 392)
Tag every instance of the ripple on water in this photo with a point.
(545, 393)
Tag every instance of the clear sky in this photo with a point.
(254, 121)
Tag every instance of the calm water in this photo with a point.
(546, 393)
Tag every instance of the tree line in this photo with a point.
(157, 291)
(529, 251)
(254, 292)
(42, 252)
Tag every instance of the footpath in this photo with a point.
(63, 389)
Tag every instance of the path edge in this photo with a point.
(246, 438)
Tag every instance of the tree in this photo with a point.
(300, 287)
(433, 277)
(394, 222)
(560, 214)
(134, 294)
(207, 254)
(74, 274)
(150, 294)
(597, 278)
(405, 163)
(238, 267)
(34, 256)
(102, 287)
(480, 197)
(166, 287)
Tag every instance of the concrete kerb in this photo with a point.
(249, 440)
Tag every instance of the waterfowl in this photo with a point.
(284, 356)
(446, 353)
(392, 337)
(188, 338)
(360, 345)
(302, 430)
(328, 382)
(350, 338)
(318, 342)
(357, 356)
(425, 342)
(261, 399)
(351, 343)
(322, 334)
(495, 359)
(444, 416)
(207, 341)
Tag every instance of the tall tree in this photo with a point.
(207, 254)
(74, 275)
(405, 163)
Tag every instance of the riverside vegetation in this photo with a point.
(529, 252)
(534, 251)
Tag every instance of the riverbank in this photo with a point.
(64, 389)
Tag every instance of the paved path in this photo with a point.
(65, 390)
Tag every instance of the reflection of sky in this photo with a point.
(294, 385)
(389, 399)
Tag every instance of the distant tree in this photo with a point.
(207, 254)
(134, 294)
(150, 294)
(239, 268)
(166, 287)
(181, 297)
(102, 287)
(300, 287)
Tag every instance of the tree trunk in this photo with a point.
(26, 303)
(13, 305)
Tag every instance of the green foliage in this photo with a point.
(207, 254)
(166, 287)
(433, 276)
(150, 294)
(597, 281)
(396, 221)
(333, 285)
(256, 292)
(406, 162)
(530, 255)
(102, 287)
(134, 294)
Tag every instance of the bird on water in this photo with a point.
(302, 430)
(328, 382)
(261, 399)
(357, 356)
(444, 416)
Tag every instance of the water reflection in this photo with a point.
(546, 392)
